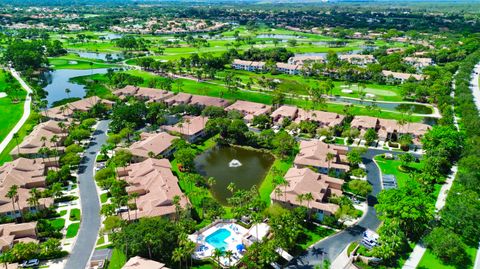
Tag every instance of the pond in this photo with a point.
(324, 54)
(252, 168)
(59, 80)
(111, 36)
(403, 107)
(98, 55)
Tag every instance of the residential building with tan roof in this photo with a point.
(13, 233)
(418, 62)
(291, 69)
(357, 59)
(157, 187)
(190, 128)
(205, 101)
(315, 153)
(284, 112)
(138, 262)
(303, 181)
(26, 174)
(401, 77)
(179, 99)
(249, 109)
(363, 123)
(324, 119)
(153, 95)
(391, 129)
(65, 112)
(41, 137)
(159, 144)
(126, 91)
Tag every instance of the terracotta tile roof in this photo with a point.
(314, 153)
(12, 233)
(180, 98)
(285, 112)
(138, 262)
(32, 143)
(403, 76)
(189, 126)
(364, 122)
(154, 142)
(324, 118)
(303, 181)
(249, 109)
(80, 105)
(156, 185)
(208, 101)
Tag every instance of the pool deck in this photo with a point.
(205, 250)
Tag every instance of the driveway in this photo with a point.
(90, 225)
(330, 248)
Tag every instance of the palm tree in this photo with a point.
(43, 139)
(54, 139)
(68, 91)
(177, 256)
(330, 158)
(217, 253)
(6, 257)
(278, 193)
(211, 181)
(229, 255)
(134, 196)
(151, 154)
(308, 197)
(16, 136)
(35, 195)
(56, 190)
(300, 199)
(285, 184)
(12, 194)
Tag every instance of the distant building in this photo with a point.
(249, 109)
(283, 112)
(315, 153)
(248, 65)
(302, 59)
(357, 59)
(418, 62)
(179, 99)
(65, 112)
(401, 77)
(302, 181)
(291, 69)
(324, 119)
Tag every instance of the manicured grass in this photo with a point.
(101, 240)
(72, 230)
(7, 107)
(93, 88)
(430, 261)
(103, 198)
(391, 167)
(62, 213)
(117, 260)
(312, 234)
(58, 223)
(75, 214)
(26, 128)
(72, 61)
(280, 167)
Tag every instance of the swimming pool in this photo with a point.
(217, 238)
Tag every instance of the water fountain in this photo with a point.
(234, 163)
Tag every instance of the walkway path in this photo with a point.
(26, 110)
(90, 225)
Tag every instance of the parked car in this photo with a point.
(30, 263)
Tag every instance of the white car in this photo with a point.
(30, 263)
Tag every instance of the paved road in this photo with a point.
(26, 111)
(331, 247)
(90, 225)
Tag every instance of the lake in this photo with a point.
(215, 163)
(59, 80)
(402, 107)
(98, 55)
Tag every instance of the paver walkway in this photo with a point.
(26, 110)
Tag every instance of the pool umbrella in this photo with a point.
(240, 247)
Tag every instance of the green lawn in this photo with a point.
(430, 261)
(72, 61)
(101, 240)
(72, 230)
(280, 167)
(103, 197)
(58, 223)
(117, 260)
(7, 107)
(75, 214)
(62, 213)
(312, 234)
(391, 167)
(26, 128)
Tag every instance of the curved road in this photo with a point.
(330, 248)
(90, 225)
(26, 110)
